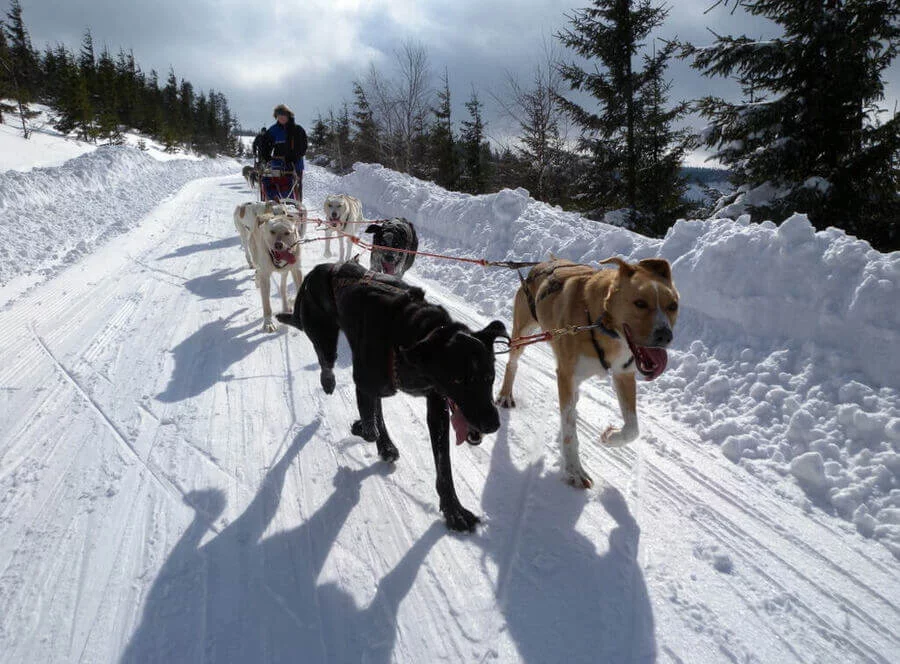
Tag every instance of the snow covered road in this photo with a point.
(176, 487)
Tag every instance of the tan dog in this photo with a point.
(275, 248)
(245, 216)
(634, 308)
(339, 209)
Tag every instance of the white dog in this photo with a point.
(275, 247)
(340, 209)
(245, 216)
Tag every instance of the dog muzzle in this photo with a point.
(465, 433)
(650, 361)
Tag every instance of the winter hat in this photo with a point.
(282, 108)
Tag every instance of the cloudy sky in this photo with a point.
(306, 53)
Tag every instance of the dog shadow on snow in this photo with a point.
(218, 285)
(242, 598)
(562, 599)
(188, 249)
(203, 358)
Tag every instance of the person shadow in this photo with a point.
(242, 598)
(561, 598)
(202, 359)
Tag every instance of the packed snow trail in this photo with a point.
(175, 486)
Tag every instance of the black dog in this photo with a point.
(397, 233)
(401, 342)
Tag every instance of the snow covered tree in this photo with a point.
(812, 134)
(476, 150)
(613, 32)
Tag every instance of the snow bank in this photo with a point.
(51, 216)
(785, 349)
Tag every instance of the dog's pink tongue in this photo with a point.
(285, 256)
(460, 425)
(652, 361)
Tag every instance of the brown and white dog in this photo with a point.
(339, 209)
(634, 308)
(275, 248)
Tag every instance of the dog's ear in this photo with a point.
(372, 228)
(625, 269)
(489, 334)
(658, 266)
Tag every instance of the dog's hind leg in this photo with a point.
(523, 323)
(457, 516)
(366, 427)
(567, 384)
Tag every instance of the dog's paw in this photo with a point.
(327, 254)
(269, 325)
(389, 453)
(506, 401)
(614, 437)
(366, 433)
(578, 479)
(460, 519)
(327, 380)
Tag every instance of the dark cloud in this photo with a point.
(306, 53)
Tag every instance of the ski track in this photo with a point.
(175, 485)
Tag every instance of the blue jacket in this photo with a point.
(281, 150)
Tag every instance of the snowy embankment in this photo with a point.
(784, 353)
(55, 215)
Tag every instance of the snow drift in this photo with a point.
(785, 350)
(54, 215)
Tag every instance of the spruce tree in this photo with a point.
(476, 150)
(320, 138)
(443, 155)
(364, 128)
(613, 33)
(23, 58)
(813, 130)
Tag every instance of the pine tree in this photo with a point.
(365, 137)
(613, 32)
(7, 80)
(661, 150)
(476, 150)
(320, 138)
(443, 155)
(19, 64)
(812, 130)
(24, 59)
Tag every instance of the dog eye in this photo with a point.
(640, 304)
(673, 307)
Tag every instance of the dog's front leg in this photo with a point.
(386, 448)
(568, 434)
(285, 306)
(265, 290)
(457, 516)
(327, 241)
(626, 391)
(365, 427)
